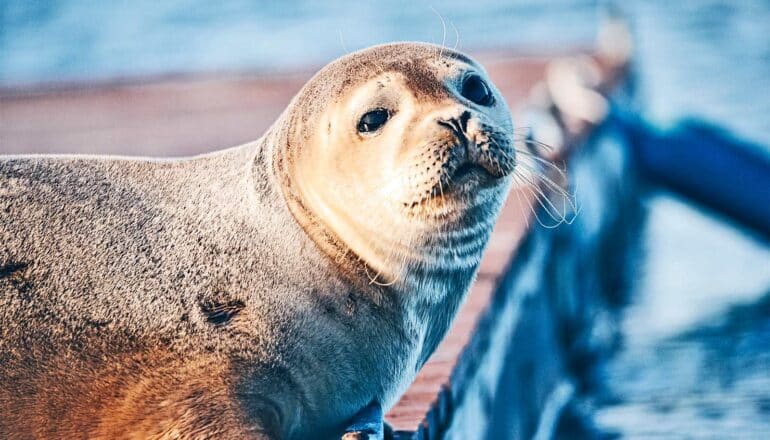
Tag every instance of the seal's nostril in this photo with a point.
(458, 125)
(454, 126)
(464, 120)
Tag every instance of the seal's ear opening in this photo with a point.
(220, 309)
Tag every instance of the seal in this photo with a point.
(267, 291)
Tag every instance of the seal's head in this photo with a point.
(401, 152)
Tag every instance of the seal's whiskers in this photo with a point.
(443, 31)
(457, 35)
(532, 176)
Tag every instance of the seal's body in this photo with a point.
(266, 291)
(140, 291)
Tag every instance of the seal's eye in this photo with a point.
(476, 90)
(373, 120)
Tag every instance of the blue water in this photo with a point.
(702, 58)
(45, 40)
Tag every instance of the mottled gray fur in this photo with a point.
(180, 298)
(163, 262)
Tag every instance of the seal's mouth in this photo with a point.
(473, 156)
(466, 174)
(463, 179)
(479, 160)
(485, 150)
(467, 171)
(463, 174)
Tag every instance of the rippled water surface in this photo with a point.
(695, 355)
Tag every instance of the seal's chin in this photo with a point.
(468, 176)
(457, 185)
(469, 173)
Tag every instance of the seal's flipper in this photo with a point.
(367, 424)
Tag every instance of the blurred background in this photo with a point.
(697, 57)
(695, 356)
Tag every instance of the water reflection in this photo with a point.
(711, 381)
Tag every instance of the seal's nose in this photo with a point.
(458, 124)
(466, 129)
(478, 146)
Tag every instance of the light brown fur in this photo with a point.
(205, 298)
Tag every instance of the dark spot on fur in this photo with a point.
(9, 269)
(98, 323)
(12, 271)
(220, 311)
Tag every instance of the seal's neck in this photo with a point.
(426, 295)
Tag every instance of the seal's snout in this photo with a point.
(481, 149)
(458, 126)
